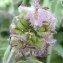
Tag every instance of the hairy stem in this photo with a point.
(11, 55)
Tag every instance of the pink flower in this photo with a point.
(39, 18)
(45, 15)
(42, 15)
(14, 20)
(12, 30)
(35, 22)
(36, 4)
(48, 39)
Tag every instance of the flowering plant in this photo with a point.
(31, 32)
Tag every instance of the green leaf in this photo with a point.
(58, 49)
(30, 61)
(56, 55)
(59, 36)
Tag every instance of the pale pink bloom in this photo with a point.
(12, 30)
(14, 20)
(36, 16)
(36, 4)
(49, 39)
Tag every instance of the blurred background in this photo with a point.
(9, 9)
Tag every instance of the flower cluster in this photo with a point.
(32, 31)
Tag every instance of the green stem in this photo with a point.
(11, 55)
(55, 10)
(46, 3)
(49, 56)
